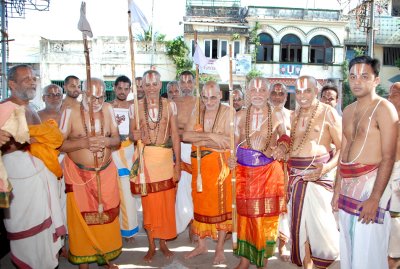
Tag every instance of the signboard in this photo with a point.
(290, 69)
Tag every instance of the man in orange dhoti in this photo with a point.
(158, 128)
(212, 206)
(91, 179)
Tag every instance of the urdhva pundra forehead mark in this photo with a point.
(358, 70)
(303, 84)
(186, 78)
(151, 78)
(258, 84)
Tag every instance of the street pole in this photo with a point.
(4, 39)
(371, 32)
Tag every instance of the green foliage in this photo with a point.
(178, 52)
(253, 74)
(255, 39)
(359, 51)
(397, 63)
(235, 36)
(253, 35)
(203, 78)
(146, 36)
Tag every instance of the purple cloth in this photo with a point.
(251, 157)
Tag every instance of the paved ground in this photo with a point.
(133, 253)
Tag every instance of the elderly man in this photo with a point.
(314, 128)
(212, 206)
(52, 98)
(260, 178)
(277, 99)
(122, 158)
(91, 178)
(72, 87)
(33, 220)
(238, 99)
(173, 90)
(394, 247)
(185, 105)
(159, 132)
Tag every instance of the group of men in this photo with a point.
(175, 155)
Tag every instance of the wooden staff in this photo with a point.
(142, 179)
(100, 208)
(233, 152)
(199, 181)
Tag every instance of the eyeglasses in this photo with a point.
(52, 95)
(98, 99)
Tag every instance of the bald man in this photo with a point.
(91, 178)
(212, 206)
(52, 98)
(315, 126)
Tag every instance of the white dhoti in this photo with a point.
(362, 245)
(317, 225)
(34, 221)
(311, 217)
(61, 192)
(128, 209)
(184, 201)
(394, 244)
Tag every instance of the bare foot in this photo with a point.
(228, 236)
(63, 252)
(284, 254)
(219, 257)
(244, 264)
(150, 254)
(129, 239)
(196, 252)
(111, 266)
(192, 237)
(165, 250)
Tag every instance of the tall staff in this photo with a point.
(199, 185)
(142, 179)
(84, 27)
(233, 152)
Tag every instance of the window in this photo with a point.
(236, 48)
(211, 48)
(265, 51)
(352, 51)
(391, 55)
(192, 47)
(321, 50)
(291, 49)
(224, 48)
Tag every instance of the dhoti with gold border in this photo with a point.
(93, 236)
(212, 206)
(260, 200)
(159, 203)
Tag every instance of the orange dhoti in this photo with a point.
(259, 201)
(159, 203)
(213, 206)
(93, 236)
